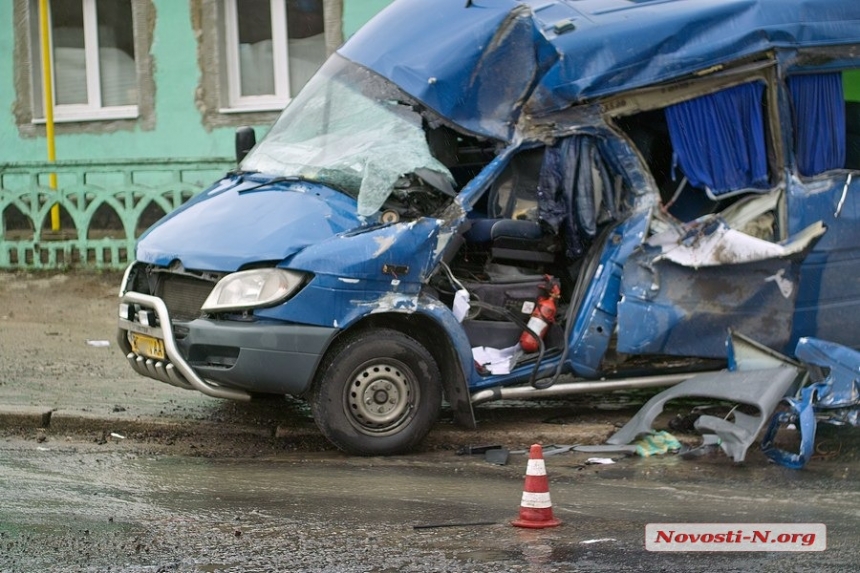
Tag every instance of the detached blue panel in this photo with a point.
(841, 387)
(836, 399)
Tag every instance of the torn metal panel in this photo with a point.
(670, 309)
(712, 242)
(841, 387)
(799, 413)
(596, 318)
(689, 285)
(833, 397)
(474, 66)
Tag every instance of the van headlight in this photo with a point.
(253, 289)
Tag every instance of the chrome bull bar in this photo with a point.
(175, 370)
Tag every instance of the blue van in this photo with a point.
(493, 199)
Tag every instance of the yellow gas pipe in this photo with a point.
(47, 84)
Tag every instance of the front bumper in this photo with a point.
(225, 359)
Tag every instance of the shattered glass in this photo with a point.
(350, 130)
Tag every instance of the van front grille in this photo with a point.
(184, 295)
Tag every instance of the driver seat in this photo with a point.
(512, 230)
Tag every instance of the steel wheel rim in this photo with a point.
(381, 396)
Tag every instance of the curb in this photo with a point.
(24, 417)
(16, 419)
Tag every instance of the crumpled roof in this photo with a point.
(480, 63)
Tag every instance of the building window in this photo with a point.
(92, 58)
(272, 48)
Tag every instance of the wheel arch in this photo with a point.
(428, 332)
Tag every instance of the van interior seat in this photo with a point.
(513, 239)
(512, 229)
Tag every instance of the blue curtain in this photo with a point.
(818, 113)
(719, 139)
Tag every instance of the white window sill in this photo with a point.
(256, 107)
(91, 114)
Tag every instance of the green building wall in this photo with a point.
(113, 183)
(179, 130)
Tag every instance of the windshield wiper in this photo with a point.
(237, 172)
(273, 181)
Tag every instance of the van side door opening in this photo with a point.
(538, 218)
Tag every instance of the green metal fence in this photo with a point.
(104, 207)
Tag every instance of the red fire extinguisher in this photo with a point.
(542, 316)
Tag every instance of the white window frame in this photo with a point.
(280, 58)
(93, 109)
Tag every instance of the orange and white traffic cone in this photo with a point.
(536, 507)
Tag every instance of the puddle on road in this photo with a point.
(316, 512)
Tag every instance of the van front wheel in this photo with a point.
(377, 393)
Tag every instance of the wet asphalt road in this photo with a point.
(196, 484)
(131, 507)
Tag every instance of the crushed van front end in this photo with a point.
(165, 336)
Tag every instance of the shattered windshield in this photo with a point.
(350, 129)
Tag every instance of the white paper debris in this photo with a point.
(495, 360)
(461, 304)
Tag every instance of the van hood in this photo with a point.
(240, 221)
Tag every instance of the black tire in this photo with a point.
(377, 393)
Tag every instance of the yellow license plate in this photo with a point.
(147, 346)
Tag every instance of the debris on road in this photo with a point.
(470, 450)
(832, 398)
(757, 377)
(498, 456)
(599, 461)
